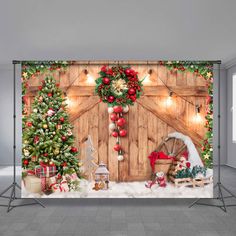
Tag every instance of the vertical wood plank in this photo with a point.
(142, 137)
(93, 129)
(133, 141)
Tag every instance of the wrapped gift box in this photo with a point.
(33, 184)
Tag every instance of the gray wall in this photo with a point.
(223, 130)
(231, 147)
(6, 119)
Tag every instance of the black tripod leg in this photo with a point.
(39, 202)
(222, 199)
(10, 200)
(228, 191)
(195, 202)
(4, 191)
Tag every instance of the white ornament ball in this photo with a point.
(110, 110)
(112, 126)
(120, 157)
(35, 110)
(126, 109)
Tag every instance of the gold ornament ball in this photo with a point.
(50, 163)
(45, 126)
(79, 164)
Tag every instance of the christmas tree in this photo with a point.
(88, 164)
(47, 133)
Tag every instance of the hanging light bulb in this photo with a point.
(198, 117)
(169, 99)
(147, 77)
(90, 79)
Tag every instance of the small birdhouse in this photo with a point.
(102, 177)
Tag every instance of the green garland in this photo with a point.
(203, 69)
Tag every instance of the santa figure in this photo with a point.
(161, 179)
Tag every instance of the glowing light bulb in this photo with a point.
(169, 100)
(147, 79)
(198, 117)
(90, 79)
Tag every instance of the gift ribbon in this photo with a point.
(56, 185)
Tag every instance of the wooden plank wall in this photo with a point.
(145, 130)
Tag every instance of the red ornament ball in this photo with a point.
(74, 149)
(29, 124)
(40, 88)
(117, 147)
(106, 80)
(113, 117)
(123, 132)
(118, 109)
(111, 99)
(63, 138)
(127, 71)
(49, 94)
(62, 119)
(25, 162)
(133, 98)
(121, 122)
(45, 154)
(115, 134)
(131, 91)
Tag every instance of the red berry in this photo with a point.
(63, 138)
(106, 80)
(121, 122)
(45, 154)
(117, 147)
(62, 119)
(123, 133)
(113, 117)
(111, 99)
(64, 164)
(115, 134)
(117, 109)
(131, 91)
(40, 88)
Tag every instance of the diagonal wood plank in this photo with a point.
(169, 119)
(85, 106)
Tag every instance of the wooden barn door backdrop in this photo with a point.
(149, 121)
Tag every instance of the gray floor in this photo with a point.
(120, 216)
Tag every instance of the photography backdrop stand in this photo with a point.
(14, 186)
(220, 188)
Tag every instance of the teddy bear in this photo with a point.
(161, 180)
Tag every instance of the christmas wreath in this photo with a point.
(118, 85)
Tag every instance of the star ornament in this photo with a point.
(25, 74)
(206, 156)
(209, 74)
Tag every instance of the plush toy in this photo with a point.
(161, 179)
(96, 187)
